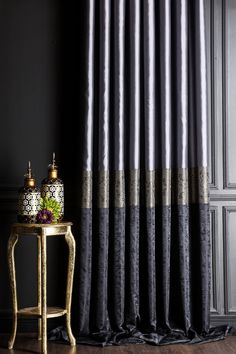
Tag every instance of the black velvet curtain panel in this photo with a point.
(144, 246)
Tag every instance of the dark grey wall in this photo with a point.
(221, 46)
(40, 69)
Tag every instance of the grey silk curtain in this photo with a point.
(143, 248)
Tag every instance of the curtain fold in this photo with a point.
(144, 245)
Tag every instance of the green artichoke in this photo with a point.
(52, 205)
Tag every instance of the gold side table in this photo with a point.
(42, 312)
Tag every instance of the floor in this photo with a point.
(29, 344)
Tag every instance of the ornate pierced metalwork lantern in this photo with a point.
(29, 199)
(53, 187)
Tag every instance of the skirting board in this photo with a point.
(224, 319)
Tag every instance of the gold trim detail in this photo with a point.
(119, 189)
(87, 184)
(199, 182)
(134, 187)
(162, 187)
(180, 186)
(203, 185)
(103, 189)
(150, 188)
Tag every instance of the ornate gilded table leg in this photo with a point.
(71, 264)
(11, 262)
(44, 291)
(39, 287)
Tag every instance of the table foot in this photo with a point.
(13, 335)
(69, 332)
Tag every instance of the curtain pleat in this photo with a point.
(150, 111)
(133, 175)
(104, 84)
(99, 313)
(118, 218)
(85, 244)
(163, 220)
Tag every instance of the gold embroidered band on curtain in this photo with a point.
(103, 189)
(134, 187)
(180, 186)
(119, 197)
(87, 185)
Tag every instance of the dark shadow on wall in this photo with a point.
(41, 105)
(71, 105)
(71, 99)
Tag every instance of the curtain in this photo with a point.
(143, 245)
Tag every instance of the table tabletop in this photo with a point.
(43, 225)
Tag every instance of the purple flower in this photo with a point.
(44, 216)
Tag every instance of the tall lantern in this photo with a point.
(29, 199)
(52, 186)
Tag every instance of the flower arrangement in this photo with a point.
(49, 211)
(44, 216)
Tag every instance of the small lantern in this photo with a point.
(29, 199)
(52, 186)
